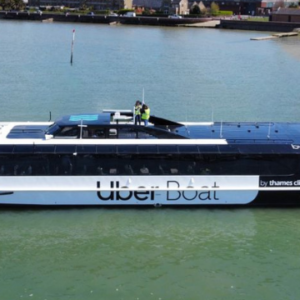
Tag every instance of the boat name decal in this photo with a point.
(147, 195)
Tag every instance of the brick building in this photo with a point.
(286, 15)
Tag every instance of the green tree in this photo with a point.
(195, 10)
(293, 5)
(12, 4)
(146, 11)
(214, 9)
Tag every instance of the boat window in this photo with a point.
(65, 149)
(106, 149)
(188, 149)
(84, 134)
(86, 149)
(6, 148)
(107, 161)
(208, 149)
(146, 135)
(44, 148)
(113, 133)
(150, 133)
(147, 148)
(228, 149)
(24, 165)
(87, 165)
(68, 131)
(127, 133)
(167, 149)
(52, 129)
(66, 165)
(97, 133)
(23, 149)
(127, 149)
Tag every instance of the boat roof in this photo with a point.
(254, 135)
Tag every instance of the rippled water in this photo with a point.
(150, 254)
(187, 74)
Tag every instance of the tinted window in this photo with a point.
(65, 149)
(208, 149)
(188, 149)
(6, 148)
(86, 149)
(68, 131)
(106, 149)
(167, 149)
(147, 149)
(131, 149)
(146, 164)
(44, 148)
(23, 149)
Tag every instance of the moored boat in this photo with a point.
(104, 159)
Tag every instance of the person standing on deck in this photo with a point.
(137, 112)
(145, 114)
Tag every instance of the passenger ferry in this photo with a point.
(104, 159)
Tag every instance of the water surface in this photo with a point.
(186, 74)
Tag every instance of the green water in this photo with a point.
(150, 254)
(170, 254)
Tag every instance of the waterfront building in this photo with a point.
(286, 15)
(147, 4)
(250, 7)
(180, 7)
(94, 4)
(244, 7)
(183, 7)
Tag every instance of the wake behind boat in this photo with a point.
(104, 159)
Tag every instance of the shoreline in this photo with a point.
(154, 21)
(100, 19)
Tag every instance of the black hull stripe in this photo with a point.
(6, 193)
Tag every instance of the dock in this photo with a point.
(47, 20)
(276, 35)
(208, 24)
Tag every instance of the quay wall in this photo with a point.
(155, 21)
(258, 26)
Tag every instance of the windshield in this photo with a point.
(52, 129)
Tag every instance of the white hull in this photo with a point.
(125, 190)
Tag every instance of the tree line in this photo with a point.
(12, 4)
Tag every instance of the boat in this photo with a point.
(104, 159)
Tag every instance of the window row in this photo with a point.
(167, 164)
(145, 149)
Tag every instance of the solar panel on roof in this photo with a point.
(83, 118)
